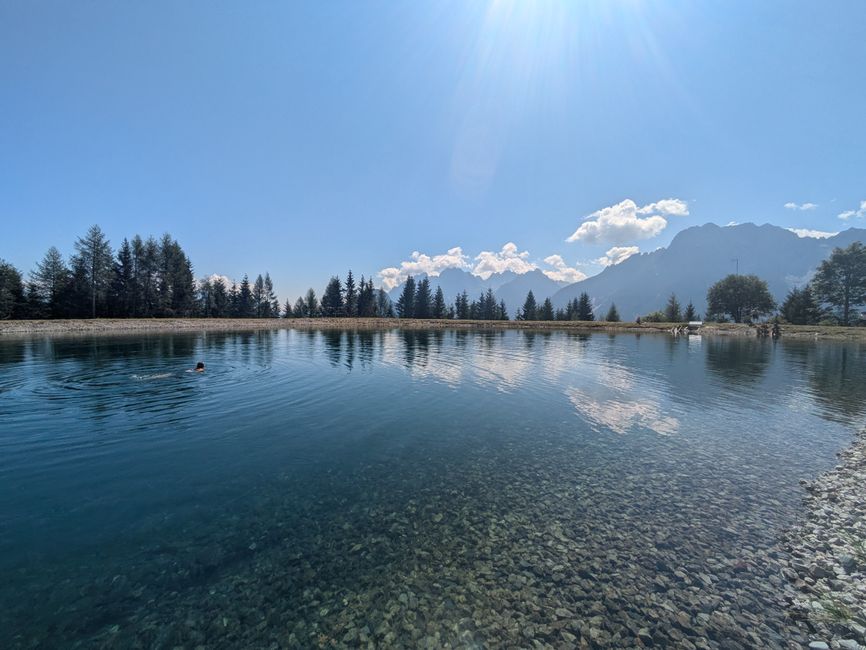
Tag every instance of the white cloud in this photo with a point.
(625, 221)
(508, 259)
(214, 277)
(561, 271)
(790, 205)
(422, 263)
(859, 213)
(816, 234)
(617, 254)
(730, 224)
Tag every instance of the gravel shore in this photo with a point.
(127, 325)
(827, 555)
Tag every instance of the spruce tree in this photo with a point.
(332, 299)
(530, 309)
(439, 308)
(423, 300)
(502, 311)
(220, 299)
(691, 314)
(287, 309)
(246, 308)
(51, 279)
(801, 308)
(584, 308)
(673, 313)
(406, 302)
(351, 301)
(612, 314)
(12, 299)
(300, 308)
(311, 304)
(546, 312)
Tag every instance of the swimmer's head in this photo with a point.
(199, 367)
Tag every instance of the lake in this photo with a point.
(409, 488)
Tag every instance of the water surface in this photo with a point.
(408, 488)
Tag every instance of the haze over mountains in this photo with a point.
(695, 259)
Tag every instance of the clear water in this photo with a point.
(407, 488)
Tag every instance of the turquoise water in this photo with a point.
(408, 488)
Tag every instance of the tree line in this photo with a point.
(154, 278)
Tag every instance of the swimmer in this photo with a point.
(199, 367)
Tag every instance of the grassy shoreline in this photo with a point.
(100, 326)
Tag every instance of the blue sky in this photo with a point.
(308, 138)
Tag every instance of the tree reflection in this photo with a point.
(738, 360)
(836, 375)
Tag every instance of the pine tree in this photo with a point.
(546, 312)
(205, 298)
(123, 288)
(530, 309)
(234, 306)
(406, 302)
(673, 313)
(439, 309)
(96, 257)
(287, 310)
(584, 308)
(612, 314)
(332, 299)
(351, 296)
(423, 300)
(502, 312)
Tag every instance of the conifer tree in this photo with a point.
(673, 314)
(584, 308)
(801, 308)
(406, 302)
(332, 299)
(530, 309)
(95, 256)
(311, 304)
(245, 308)
(271, 297)
(546, 312)
(351, 301)
(258, 297)
(612, 314)
(423, 300)
(300, 308)
(502, 311)
(220, 299)
(12, 300)
(51, 280)
(461, 306)
(690, 314)
(439, 308)
(287, 309)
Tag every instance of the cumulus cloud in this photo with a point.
(214, 277)
(859, 213)
(617, 254)
(816, 234)
(508, 259)
(800, 206)
(422, 263)
(561, 271)
(625, 221)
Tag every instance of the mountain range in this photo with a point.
(695, 259)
